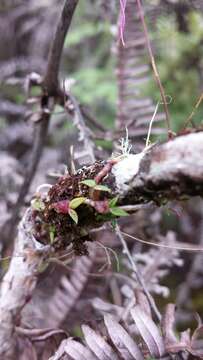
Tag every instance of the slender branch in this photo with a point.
(189, 119)
(153, 63)
(51, 76)
(184, 292)
(84, 131)
(180, 246)
(91, 119)
(40, 134)
(139, 277)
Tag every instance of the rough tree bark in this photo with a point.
(171, 170)
(18, 284)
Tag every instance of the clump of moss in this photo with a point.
(57, 227)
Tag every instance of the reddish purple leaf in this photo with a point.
(101, 207)
(61, 207)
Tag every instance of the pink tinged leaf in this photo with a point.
(122, 341)
(61, 207)
(101, 207)
(149, 332)
(78, 351)
(98, 345)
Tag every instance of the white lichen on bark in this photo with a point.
(126, 169)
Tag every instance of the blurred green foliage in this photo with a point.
(178, 55)
(179, 59)
(89, 42)
(97, 88)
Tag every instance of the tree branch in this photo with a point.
(159, 174)
(138, 275)
(51, 76)
(169, 171)
(39, 138)
(19, 283)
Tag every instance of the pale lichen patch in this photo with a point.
(126, 169)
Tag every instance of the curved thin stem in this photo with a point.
(153, 63)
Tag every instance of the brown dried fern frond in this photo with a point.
(67, 293)
(146, 340)
(117, 343)
(135, 110)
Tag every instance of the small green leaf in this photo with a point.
(102, 188)
(73, 215)
(113, 224)
(113, 202)
(76, 202)
(52, 233)
(118, 211)
(89, 182)
(37, 204)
